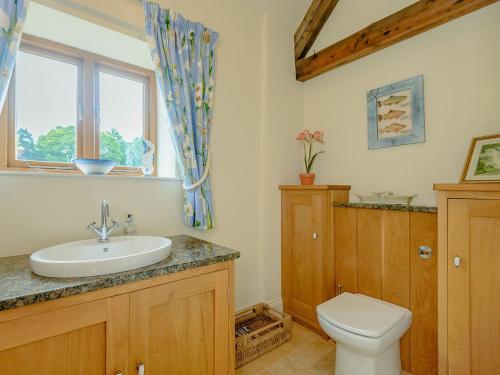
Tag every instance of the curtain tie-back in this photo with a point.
(198, 183)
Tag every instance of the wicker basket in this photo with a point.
(260, 329)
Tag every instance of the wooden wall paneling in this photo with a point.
(377, 255)
(396, 258)
(423, 294)
(346, 272)
(330, 265)
(369, 240)
(396, 267)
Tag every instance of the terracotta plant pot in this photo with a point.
(307, 178)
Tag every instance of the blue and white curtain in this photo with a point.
(184, 58)
(12, 17)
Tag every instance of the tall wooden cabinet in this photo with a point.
(469, 279)
(307, 248)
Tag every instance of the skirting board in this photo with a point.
(276, 304)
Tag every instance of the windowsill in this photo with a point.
(81, 175)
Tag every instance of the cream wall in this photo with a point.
(259, 107)
(459, 61)
(249, 152)
(283, 118)
(38, 211)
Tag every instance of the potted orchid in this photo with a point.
(308, 139)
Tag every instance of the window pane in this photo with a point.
(121, 119)
(46, 108)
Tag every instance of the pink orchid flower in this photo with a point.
(308, 137)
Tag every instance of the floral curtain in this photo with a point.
(183, 54)
(12, 17)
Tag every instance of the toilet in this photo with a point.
(366, 331)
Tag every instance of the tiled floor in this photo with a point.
(306, 353)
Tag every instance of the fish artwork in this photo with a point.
(392, 100)
(393, 128)
(391, 115)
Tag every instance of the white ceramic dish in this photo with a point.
(93, 258)
(94, 166)
(386, 198)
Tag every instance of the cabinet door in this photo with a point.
(182, 328)
(473, 287)
(304, 241)
(90, 338)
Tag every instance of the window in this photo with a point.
(65, 103)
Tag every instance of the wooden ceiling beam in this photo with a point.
(311, 25)
(408, 22)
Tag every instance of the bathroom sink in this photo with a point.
(92, 258)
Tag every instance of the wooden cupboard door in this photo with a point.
(304, 239)
(182, 328)
(346, 267)
(473, 285)
(90, 338)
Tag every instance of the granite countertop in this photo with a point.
(19, 286)
(382, 206)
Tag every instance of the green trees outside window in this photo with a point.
(59, 145)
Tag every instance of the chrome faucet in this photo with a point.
(103, 231)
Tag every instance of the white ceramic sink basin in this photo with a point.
(92, 258)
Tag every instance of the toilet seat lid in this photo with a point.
(361, 314)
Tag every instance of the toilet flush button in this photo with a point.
(425, 252)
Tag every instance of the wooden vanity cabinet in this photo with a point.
(469, 281)
(307, 248)
(179, 324)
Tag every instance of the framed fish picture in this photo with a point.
(396, 114)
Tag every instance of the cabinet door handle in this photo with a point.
(140, 368)
(457, 261)
(118, 373)
(315, 236)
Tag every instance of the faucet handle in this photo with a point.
(115, 224)
(92, 226)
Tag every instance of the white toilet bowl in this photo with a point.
(366, 331)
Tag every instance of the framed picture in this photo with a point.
(483, 160)
(396, 114)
